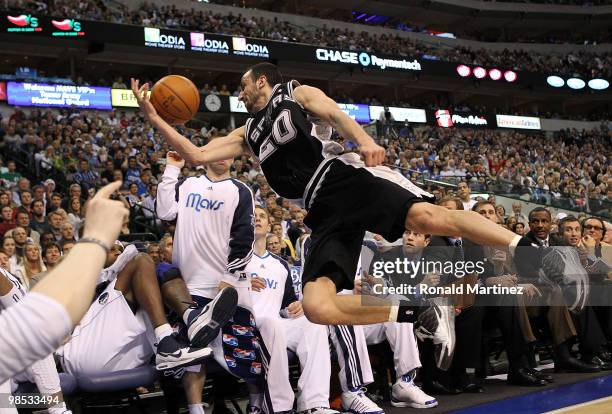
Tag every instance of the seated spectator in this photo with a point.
(52, 254)
(46, 239)
(23, 220)
(31, 263)
(20, 235)
(39, 220)
(8, 220)
(76, 215)
(68, 233)
(287, 249)
(10, 176)
(85, 177)
(54, 203)
(56, 220)
(5, 199)
(153, 251)
(66, 246)
(519, 228)
(9, 248)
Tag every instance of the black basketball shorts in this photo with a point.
(344, 199)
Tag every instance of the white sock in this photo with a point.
(186, 316)
(256, 400)
(162, 331)
(196, 409)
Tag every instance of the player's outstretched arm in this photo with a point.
(60, 300)
(317, 103)
(230, 146)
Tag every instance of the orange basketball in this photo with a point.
(175, 98)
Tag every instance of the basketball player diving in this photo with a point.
(346, 194)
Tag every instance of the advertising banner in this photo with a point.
(518, 122)
(63, 96)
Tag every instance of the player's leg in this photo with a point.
(277, 374)
(203, 323)
(405, 393)
(310, 343)
(193, 382)
(355, 369)
(429, 218)
(137, 282)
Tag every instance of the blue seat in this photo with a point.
(118, 380)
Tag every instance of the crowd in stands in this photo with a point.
(581, 64)
(53, 161)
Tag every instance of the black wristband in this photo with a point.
(407, 314)
(95, 241)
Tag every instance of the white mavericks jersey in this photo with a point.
(110, 337)
(278, 293)
(214, 227)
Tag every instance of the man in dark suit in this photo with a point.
(502, 309)
(529, 263)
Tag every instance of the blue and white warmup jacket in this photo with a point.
(214, 233)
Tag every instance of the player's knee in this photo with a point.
(322, 311)
(143, 260)
(424, 217)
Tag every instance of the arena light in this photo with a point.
(480, 72)
(510, 76)
(555, 81)
(464, 71)
(599, 84)
(495, 74)
(576, 83)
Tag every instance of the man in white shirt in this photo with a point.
(463, 192)
(272, 295)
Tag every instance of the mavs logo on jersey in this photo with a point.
(195, 200)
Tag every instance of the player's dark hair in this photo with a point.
(538, 210)
(270, 71)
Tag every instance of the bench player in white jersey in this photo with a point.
(212, 244)
(273, 292)
(126, 323)
(43, 372)
(344, 195)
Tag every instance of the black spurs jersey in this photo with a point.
(289, 143)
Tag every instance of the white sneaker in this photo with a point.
(357, 402)
(319, 410)
(405, 393)
(437, 322)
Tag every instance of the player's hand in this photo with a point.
(295, 309)
(258, 284)
(141, 93)
(105, 217)
(173, 158)
(372, 154)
